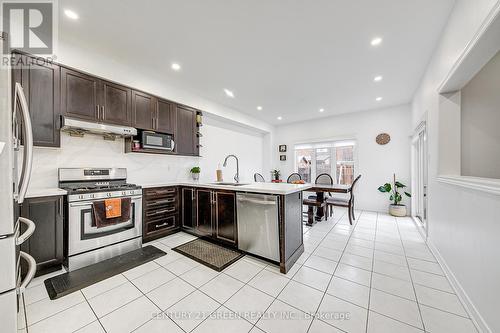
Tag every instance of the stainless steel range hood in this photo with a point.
(79, 128)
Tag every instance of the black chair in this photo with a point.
(258, 178)
(348, 203)
(293, 177)
(312, 200)
(323, 178)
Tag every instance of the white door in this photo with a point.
(420, 175)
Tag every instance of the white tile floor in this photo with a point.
(376, 276)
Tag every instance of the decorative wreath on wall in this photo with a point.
(383, 139)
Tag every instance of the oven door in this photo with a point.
(83, 237)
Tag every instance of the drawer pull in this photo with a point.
(161, 212)
(161, 192)
(159, 202)
(161, 225)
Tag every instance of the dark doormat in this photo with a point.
(64, 284)
(209, 254)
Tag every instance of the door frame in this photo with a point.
(420, 171)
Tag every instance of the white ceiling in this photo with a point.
(292, 57)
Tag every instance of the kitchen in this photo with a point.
(160, 188)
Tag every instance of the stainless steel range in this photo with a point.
(88, 243)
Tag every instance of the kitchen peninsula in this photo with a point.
(263, 219)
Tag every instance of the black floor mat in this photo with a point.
(64, 284)
(209, 254)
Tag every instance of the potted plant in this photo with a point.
(396, 208)
(195, 173)
(275, 175)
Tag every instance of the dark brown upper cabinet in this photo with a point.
(89, 98)
(41, 85)
(116, 104)
(79, 95)
(165, 117)
(143, 110)
(186, 139)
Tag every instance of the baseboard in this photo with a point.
(472, 311)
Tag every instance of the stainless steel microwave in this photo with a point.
(153, 140)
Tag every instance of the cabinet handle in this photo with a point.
(103, 115)
(61, 206)
(97, 111)
(160, 225)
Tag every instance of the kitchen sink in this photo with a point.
(230, 184)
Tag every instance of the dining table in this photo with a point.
(321, 189)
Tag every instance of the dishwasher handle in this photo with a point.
(257, 202)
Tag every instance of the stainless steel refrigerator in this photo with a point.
(16, 154)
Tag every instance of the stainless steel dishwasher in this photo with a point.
(258, 231)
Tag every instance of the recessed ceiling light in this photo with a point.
(279, 118)
(321, 110)
(71, 14)
(376, 41)
(378, 78)
(175, 66)
(378, 99)
(229, 93)
(259, 108)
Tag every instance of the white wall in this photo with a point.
(463, 223)
(479, 125)
(93, 151)
(376, 163)
(226, 131)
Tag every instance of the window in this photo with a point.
(334, 158)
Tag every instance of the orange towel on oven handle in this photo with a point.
(113, 208)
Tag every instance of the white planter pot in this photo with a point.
(397, 210)
(196, 176)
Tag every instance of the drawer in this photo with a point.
(161, 224)
(152, 203)
(152, 214)
(161, 192)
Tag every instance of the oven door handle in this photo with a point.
(31, 271)
(27, 234)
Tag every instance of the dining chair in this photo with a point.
(325, 179)
(294, 177)
(258, 178)
(348, 203)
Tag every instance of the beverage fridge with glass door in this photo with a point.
(15, 173)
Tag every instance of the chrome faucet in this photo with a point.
(237, 175)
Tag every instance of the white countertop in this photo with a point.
(266, 188)
(45, 192)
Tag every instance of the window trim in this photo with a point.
(333, 165)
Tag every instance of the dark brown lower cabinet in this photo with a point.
(214, 214)
(188, 206)
(225, 217)
(160, 212)
(204, 203)
(46, 243)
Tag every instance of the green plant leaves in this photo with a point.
(386, 188)
(408, 194)
(399, 185)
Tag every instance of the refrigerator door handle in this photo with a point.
(31, 271)
(28, 143)
(29, 231)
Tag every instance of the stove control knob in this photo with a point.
(92, 196)
(108, 194)
(124, 193)
(80, 196)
